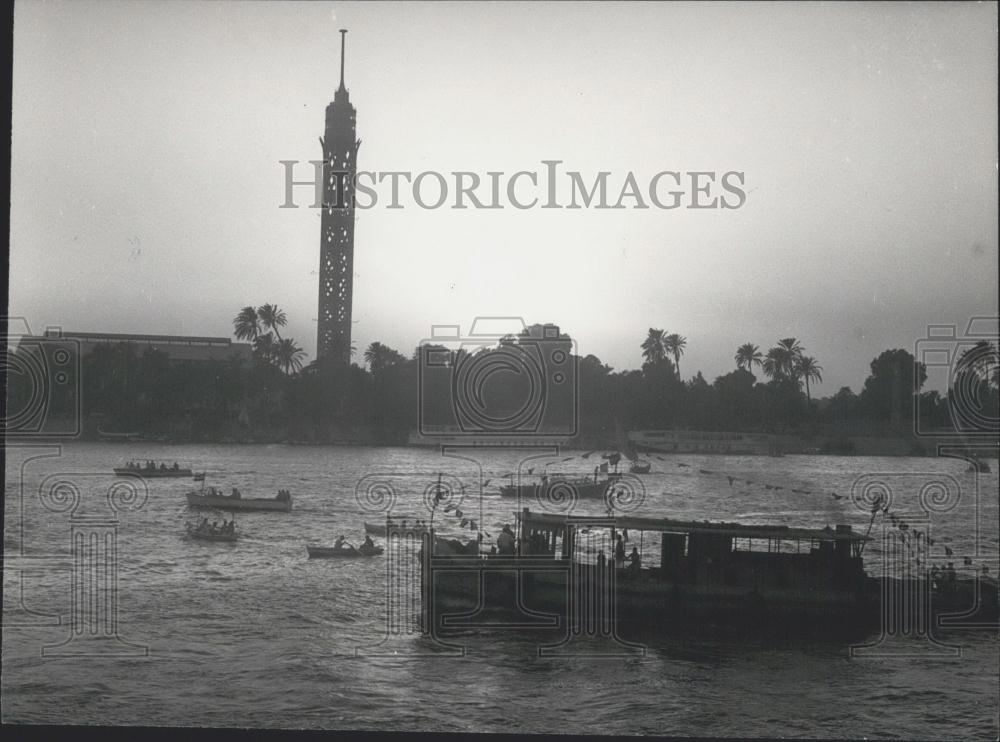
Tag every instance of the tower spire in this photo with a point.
(343, 41)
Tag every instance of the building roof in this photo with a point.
(176, 347)
(666, 525)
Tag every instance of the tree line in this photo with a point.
(273, 396)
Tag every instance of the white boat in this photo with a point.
(213, 498)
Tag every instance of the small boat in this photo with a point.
(213, 498)
(638, 468)
(141, 471)
(332, 551)
(558, 488)
(208, 535)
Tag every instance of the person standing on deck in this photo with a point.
(635, 561)
(505, 541)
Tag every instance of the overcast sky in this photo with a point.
(146, 183)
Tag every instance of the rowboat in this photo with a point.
(330, 551)
(206, 535)
(215, 499)
(152, 473)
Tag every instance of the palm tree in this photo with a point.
(807, 368)
(675, 345)
(653, 349)
(773, 364)
(246, 324)
(288, 355)
(265, 347)
(377, 357)
(748, 355)
(271, 318)
(782, 359)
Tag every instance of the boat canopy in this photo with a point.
(558, 523)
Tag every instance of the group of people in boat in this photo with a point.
(341, 544)
(151, 466)
(228, 527)
(634, 559)
(283, 495)
(507, 546)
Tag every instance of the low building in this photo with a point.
(176, 347)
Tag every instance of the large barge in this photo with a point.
(564, 576)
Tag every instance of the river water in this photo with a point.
(254, 634)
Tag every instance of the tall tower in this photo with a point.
(336, 251)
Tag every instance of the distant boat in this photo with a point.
(638, 468)
(331, 551)
(207, 535)
(556, 487)
(213, 498)
(141, 471)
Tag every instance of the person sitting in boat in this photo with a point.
(163, 467)
(340, 542)
(215, 526)
(176, 467)
(369, 544)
